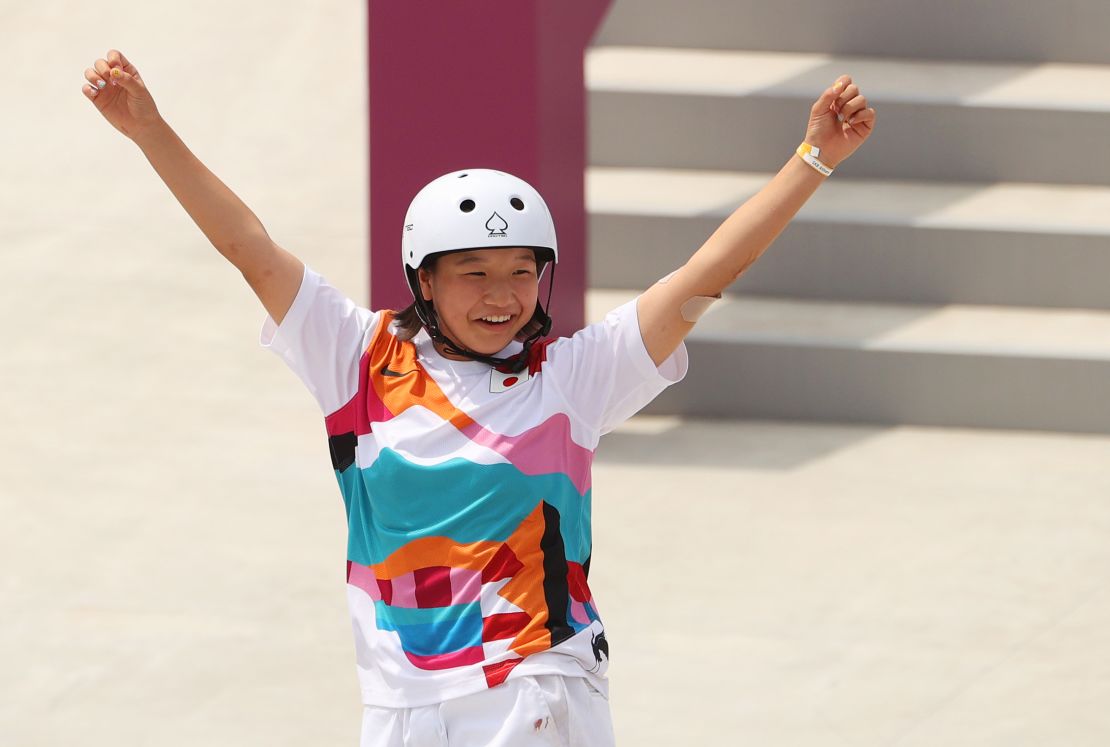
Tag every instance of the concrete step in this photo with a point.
(1001, 244)
(693, 108)
(959, 366)
(1065, 30)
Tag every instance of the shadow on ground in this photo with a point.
(756, 445)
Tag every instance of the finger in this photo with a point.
(847, 93)
(827, 97)
(116, 58)
(842, 84)
(864, 119)
(127, 81)
(95, 79)
(102, 67)
(90, 91)
(849, 110)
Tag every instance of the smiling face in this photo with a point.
(483, 297)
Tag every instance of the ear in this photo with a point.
(425, 279)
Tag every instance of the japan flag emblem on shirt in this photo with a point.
(501, 381)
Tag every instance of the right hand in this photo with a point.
(117, 90)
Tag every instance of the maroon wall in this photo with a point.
(479, 84)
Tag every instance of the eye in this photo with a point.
(467, 206)
(517, 203)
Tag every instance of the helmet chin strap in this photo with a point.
(515, 363)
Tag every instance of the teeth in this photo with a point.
(497, 319)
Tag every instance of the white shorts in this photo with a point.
(546, 709)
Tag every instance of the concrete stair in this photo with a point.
(881, 240)
(708, 109)
(985, 30)
(983, 366)
(956, 272)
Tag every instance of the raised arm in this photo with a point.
(119, 93)
(840, 121)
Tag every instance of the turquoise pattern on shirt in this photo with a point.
(393, 502)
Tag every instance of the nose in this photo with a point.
(499, 292)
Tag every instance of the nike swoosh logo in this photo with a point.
(387, 371)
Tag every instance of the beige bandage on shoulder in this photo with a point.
(693, 308)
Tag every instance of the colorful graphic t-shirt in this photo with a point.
(467, 492)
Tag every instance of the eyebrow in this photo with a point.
(524, 256)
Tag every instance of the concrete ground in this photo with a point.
(172, 549)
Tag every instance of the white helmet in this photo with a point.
(475, 209)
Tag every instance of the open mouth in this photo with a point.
(495, 321)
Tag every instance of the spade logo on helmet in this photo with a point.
(497, 225)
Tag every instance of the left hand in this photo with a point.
(840, 121)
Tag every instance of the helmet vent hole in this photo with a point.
(466, 206)
(463, 176)
(517, 203)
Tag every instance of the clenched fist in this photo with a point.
(116, 88)
(840, 121)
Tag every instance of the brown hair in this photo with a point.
(407, 322)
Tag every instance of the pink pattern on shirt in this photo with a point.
(362, 577)
(466, 586)
(547, 448)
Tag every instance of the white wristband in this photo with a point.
(810, 154)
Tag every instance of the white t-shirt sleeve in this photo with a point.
(322, 338)
(605, 372)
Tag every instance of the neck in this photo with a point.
(441, 348)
